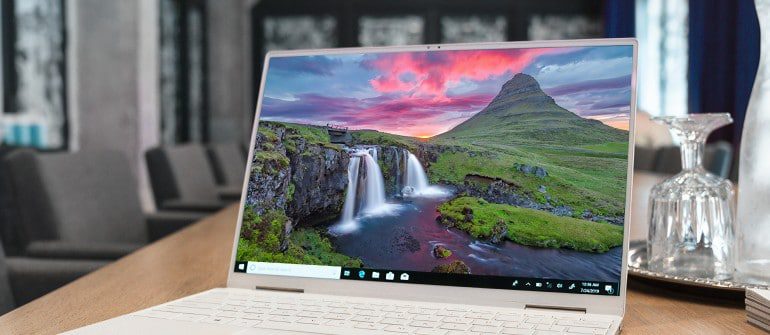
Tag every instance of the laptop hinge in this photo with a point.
(281, 289)
(557, 308)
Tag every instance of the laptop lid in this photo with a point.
(493, 174)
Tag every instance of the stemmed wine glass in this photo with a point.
(691, 217)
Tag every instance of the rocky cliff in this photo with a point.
(306, 180)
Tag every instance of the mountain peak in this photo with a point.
(523, 113)
(522, 83)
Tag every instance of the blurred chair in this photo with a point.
(229, 164)
(24, 279)
(83, 206)
(8, 211)
(644, 158)
(717, 159)
(182, 179)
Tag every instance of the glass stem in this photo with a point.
(692, 154)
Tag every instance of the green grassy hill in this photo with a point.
(585, 159)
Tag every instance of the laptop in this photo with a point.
(433, 189)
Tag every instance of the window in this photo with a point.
(34, 93)
(183, 71)
(308, 24)
(661, 28)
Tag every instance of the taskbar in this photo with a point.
(479, 281)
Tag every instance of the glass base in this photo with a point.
(754, 271)
(698, 263)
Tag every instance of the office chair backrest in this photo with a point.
(85, 196)
(7, 302)
(181, 172)
(9, 218)
(228, 162)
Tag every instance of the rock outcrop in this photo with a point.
(440, 251)
(457, 267)
(307, 180)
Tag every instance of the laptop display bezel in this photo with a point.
(611, 305)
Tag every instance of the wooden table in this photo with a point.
(196, 259)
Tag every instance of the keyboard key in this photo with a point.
(394, 321)
(368, 313)
(456, 314)
(397, 315)
(426, 331)
(493, 323)
(337, 316)
(228, 314)
(547, 332)
(480, 315)
(340, 323)
(400, 329)
(509, 317)
(420, 310)
(363, 318)
(451, 319)
(244, 322)
(455, 326)
(424, 324)
(368, 325)
(310, 321)
(216, 320)
(540, 320)
(484, 329)
(433, 318)
(309, 314)
(517, 331)
(282, 318)
(283, 312)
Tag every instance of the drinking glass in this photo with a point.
(691, 217)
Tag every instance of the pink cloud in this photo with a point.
(434, 72)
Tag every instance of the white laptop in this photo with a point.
(435, 189)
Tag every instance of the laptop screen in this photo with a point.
(494, 168)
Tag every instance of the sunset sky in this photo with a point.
(424, 94)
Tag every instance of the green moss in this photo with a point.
(264, 231)
(306, 246)
(530, 227)
(372, 137)
(269, 161)
(290, 192)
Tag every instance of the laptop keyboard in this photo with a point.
(337, 315)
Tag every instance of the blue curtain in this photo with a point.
(723, 59)
(619, 18)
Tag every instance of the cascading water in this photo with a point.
(374, 153)
(415, 174)
(349, 209)
(417, 181)
(374, 192)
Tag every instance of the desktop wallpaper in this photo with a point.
(504, 162)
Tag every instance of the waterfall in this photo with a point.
(374, 194)
(415, 174)
(417, 181)
(349, 209)
(373, 185)
(374, 153)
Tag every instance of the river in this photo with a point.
(404, 240)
